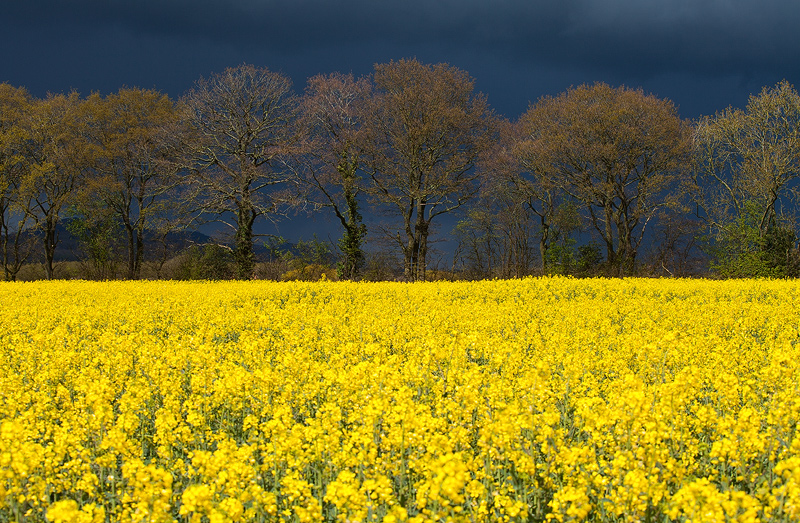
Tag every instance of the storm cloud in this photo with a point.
(703, 54)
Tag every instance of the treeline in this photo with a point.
(595, 181)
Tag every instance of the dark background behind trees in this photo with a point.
(598, 180)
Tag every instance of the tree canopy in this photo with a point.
(617, 152)
(236, 126)
(594, 180)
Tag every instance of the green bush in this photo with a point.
(206, 262)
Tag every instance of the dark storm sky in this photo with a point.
(702, 54)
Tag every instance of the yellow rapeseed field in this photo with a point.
(532, 400)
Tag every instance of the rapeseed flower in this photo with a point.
(546, 399)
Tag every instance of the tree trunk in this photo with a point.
(245, 262)
(13, 268)
(4, 238)
(137, 265)
(422, 261)
(421, 236)
(131, 233)
(140, 224)
(353, 236)
(50, 242)
(410, 262)
(627, 253)
(543, 242)
(608, 237)
(13, 258)
(410, 249)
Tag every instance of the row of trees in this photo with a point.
(98, 159)
(594, 180)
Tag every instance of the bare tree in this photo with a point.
(427, 132)
(236, 126)
(332, 116)
(618, 152)
(528, 205)
(496, 234)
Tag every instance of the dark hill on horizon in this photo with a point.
(71, 248)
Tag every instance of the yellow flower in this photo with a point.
(544, 398)
(67, 511)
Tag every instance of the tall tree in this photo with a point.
(237, 126)
(532, 205)
(618, 152)
(56, 156)
(427, 132)
(747, 164)
(129, 181)
(14, 242)
(496, 235)
(332, 115)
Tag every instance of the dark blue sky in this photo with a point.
(703, 54)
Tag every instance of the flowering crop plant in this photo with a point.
(547, 399)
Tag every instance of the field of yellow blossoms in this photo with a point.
(532, 400)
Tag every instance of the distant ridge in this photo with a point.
(70, 248)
